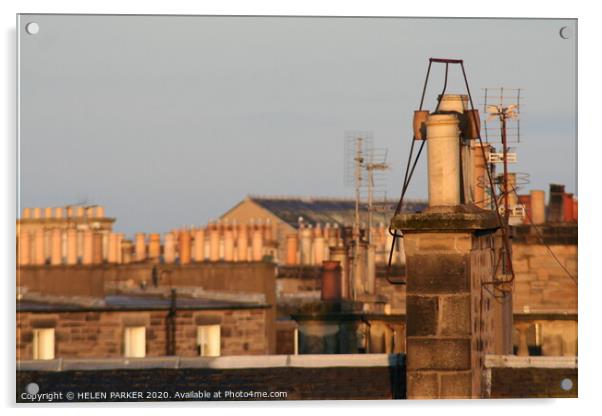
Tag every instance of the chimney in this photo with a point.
(538, 207)
(154, 246)
(480, 178)
(292, 247)
(126, 251)
(100, 211)
(120, 238)
(443, 160)
(59, 213)
(39, 255)
(447, 249)
(24, 247)
(555, 207)
(199, 245)
(568, 207)
(140, 247)
(48, 212)
(525, 202)
(214, 242)
(112, 250)
(97, 247)
(318, 246)
(331, 280)
(339, 255)
(56, 245)
(184, 240)
(71, 246)
(37, 213)
(305, 232)
(257, 243)
(242, 243)
(228, 243)
(88, 247)
(169, 248)
(79, 212)
(26, 213)
(575, 209)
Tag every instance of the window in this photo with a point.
(43, 344)
(208, 340)
(135, 341)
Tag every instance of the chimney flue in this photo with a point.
(331, 280)
(443, 145)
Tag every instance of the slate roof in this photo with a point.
(132, 303)
(328, 210)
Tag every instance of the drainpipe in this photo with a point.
(171, 326)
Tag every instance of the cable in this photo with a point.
(540, 237)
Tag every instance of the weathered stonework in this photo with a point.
(449, 320)
(100, 334)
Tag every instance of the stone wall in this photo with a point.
(93, 281)
(299, 377)
(531, 377)
(100, 334)
(541, 283)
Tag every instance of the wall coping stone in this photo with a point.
(456, 218)
(221, 363)
(513, 361)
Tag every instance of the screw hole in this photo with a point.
(32, 28)
(566, 384)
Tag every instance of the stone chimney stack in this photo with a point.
(449, 326)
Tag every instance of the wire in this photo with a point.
(540, 237)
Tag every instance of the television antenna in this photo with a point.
(504, 113)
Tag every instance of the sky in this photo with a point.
(171, 120)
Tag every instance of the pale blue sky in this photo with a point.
(169, 121)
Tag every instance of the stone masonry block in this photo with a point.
(445, 273)
(438, 354)
(456, 385)
(442, 241)
(422, 385)
(455, 315)
(423, 313)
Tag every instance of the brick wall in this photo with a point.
(100, 334)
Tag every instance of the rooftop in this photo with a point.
(339, 211)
